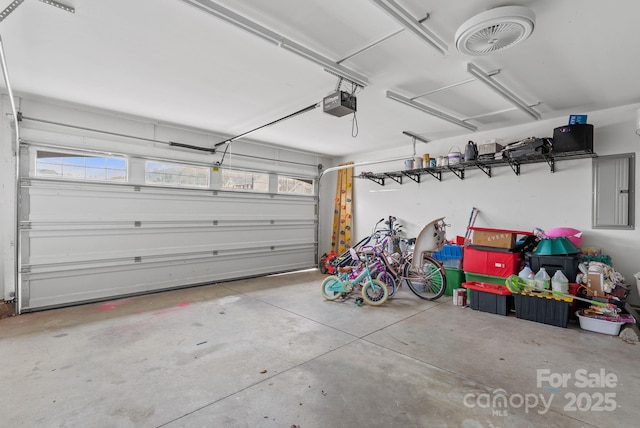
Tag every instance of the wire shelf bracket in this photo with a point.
(414, 177)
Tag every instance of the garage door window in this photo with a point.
(245, 180)
(80, 167)
(300, 186)
(174, 174)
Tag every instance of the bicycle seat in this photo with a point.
(345, 269)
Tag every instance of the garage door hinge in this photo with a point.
(25, 226)
(25, 269)
(137, 259)
(215, 222)
(137, 223)
(273, 248)
(136, 188)
(214, 193)
(215, 252)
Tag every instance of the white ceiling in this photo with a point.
(167, 60)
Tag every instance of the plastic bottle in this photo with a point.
(542, 279)
(559, 282)
(525, 272)
(531, 280)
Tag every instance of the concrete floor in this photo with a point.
(271, 352)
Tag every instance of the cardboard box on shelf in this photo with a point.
(489, 148)
(496, 238)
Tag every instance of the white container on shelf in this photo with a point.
(454, 157)
(409, 164)
(599, 326)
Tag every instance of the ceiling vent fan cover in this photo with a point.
(495, 30)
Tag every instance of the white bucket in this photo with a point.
(408, 164)
(455, 156)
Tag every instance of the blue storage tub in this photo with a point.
(449, 251)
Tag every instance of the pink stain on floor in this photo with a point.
(174, 309)
(112, 305)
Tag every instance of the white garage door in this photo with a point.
(84, 240)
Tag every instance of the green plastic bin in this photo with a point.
(455, 278)
(477, 277)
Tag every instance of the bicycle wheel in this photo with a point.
(328, 285)
(375, 293)
(429, 281)
(387, 279)
(322, 265)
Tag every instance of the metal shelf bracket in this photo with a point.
(484, 168)
(435, 174)
(458, 172)
(552, 163)
(515, 166)
(374, 178)
(397, 179)
(414, 177)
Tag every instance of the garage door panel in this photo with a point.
(45, 245)
(85, 241)
(45, 286)
(58, 201)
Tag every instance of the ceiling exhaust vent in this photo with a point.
(495, 30)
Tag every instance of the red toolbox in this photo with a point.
(495, 263)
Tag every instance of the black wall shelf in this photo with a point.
(483, 165)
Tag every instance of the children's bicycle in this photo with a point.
(424, 275)
(374, 292)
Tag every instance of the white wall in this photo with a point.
(536, 198)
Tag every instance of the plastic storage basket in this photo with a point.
(599, 326)
(450, 256)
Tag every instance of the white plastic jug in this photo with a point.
(559, 282)
(542, 279)
(525, 272)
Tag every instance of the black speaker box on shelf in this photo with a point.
(573, 138)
